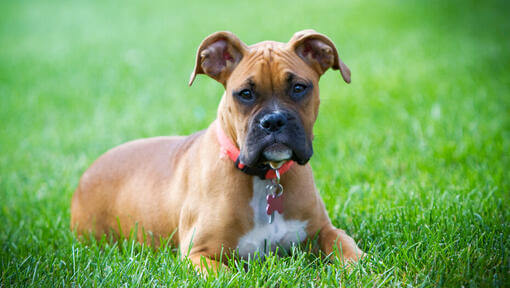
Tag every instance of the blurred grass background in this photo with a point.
(411, 158)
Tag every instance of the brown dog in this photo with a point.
(215, 190)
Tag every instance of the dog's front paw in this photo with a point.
(354, 256)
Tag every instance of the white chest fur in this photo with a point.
(265, 237)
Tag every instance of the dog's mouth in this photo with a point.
(276, 153)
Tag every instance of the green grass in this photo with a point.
(412, 158)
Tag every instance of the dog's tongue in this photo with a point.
(276, 165)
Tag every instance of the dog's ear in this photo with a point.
(319, 52)
(218, 55)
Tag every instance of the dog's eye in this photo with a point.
(246, 95)
(298, 91)
(298, 88)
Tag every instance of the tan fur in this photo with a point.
(184, 186)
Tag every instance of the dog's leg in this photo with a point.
(206, 265)
(332, 239)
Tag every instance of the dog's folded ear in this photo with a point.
(318, 51)
(218, 55)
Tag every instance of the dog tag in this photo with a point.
(274, 203)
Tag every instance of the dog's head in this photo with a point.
(271, 95)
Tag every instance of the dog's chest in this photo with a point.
(265, 237)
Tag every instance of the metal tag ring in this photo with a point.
(279, 190)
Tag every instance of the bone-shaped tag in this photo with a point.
(274, 203)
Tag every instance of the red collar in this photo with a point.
(230, 149)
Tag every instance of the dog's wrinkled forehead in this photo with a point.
(268, 66)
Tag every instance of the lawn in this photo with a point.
(412, 158)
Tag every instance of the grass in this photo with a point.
(411, 158)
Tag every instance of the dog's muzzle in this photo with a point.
(276, 136)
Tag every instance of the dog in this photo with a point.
(241, 186)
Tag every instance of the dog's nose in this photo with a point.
(273, 122)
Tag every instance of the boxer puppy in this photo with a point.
(216, 192)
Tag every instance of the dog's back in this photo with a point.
(112, 193)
